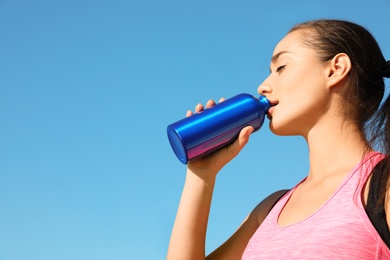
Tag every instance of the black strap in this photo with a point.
(278, 198)
(376, 212)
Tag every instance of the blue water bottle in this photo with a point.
(216, 127)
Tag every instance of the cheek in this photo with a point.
(288, 118)
(294, 118)
(299, 108)
(304, 86)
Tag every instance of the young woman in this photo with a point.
(336, 70)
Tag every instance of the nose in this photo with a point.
(264, 89)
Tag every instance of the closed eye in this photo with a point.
(280, 68)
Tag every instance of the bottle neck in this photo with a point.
(264, 102)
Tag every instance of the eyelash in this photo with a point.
(280, 68)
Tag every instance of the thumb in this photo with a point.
(241, 141)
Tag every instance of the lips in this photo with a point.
(270, 111)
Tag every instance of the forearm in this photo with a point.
(189, 231)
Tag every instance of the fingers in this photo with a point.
(210, 103)
(199, 107)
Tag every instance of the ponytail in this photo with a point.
(386, 70)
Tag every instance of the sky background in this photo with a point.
(87, 89)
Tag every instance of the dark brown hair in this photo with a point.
(365, 85)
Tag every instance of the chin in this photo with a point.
(281, 130)
(276, 130)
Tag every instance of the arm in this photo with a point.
(189, 230)
(234, 247)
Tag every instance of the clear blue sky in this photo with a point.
(87, 89)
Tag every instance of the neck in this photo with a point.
(335, 147)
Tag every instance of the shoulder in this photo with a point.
(264, 207)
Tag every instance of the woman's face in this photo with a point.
(296, 86)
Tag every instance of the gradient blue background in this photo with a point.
(87, 89)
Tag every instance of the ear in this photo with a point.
(338, 69)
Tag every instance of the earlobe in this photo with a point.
(338, 69)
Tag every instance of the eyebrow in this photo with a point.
(276, 56)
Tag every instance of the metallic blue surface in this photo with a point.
(216, 127)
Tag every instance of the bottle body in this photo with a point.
(216, 127)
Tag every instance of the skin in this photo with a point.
(306, 96)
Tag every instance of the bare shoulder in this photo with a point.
(263, 208)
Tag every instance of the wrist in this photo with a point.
(205, 175)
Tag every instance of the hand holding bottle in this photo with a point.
(215, 161)
(217, 126)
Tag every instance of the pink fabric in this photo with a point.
(339, 229)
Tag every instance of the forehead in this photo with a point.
(291, 43)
